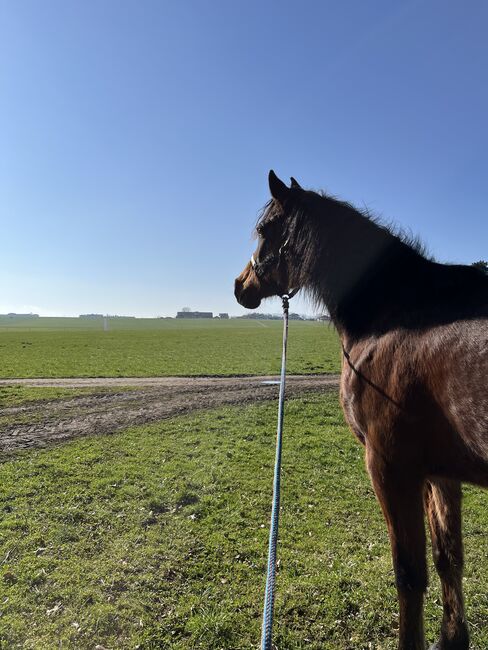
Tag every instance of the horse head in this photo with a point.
(269, 273)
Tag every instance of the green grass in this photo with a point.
(157, 538)
(166, 347)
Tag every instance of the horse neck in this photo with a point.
(356, 268)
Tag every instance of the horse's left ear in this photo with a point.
(295, 184)
(278, 189)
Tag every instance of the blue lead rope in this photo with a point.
(275, 512)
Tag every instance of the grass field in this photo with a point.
(157, 538)
(55, 347)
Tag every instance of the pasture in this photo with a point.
(157, 537)
(71, 347)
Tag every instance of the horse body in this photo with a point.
(434, 387)
(425, 428)
(414, 335)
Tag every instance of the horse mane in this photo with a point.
(371, 275)
(405, 236)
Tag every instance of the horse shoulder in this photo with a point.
(366, 383)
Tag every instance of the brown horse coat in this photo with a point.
(414, 378)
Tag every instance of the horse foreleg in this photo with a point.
(400, 496)
(443, 506)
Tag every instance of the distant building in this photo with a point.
(13, 315)
(194, 314)
(224, 315)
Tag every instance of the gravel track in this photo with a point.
(156, 398)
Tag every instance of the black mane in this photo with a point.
(370, 277)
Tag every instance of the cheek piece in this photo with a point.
(273, 260)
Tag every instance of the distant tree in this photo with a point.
(481, 265)
(186, 310)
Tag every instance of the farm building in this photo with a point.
(194, 314)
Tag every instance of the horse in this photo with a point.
(414, 335)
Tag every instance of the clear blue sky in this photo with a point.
(136, 137)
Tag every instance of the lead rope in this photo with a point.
(275, 512)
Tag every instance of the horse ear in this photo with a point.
(278, 189)
(295, 184)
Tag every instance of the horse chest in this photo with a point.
(368, 392)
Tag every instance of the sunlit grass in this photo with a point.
(157, 538)
(234, 347)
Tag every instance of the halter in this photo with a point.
(272, 260)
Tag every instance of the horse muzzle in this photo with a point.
(247, 296)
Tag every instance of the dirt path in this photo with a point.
(157, 398)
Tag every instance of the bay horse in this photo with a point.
(413, 388)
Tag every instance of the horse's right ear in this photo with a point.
(278, 189)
